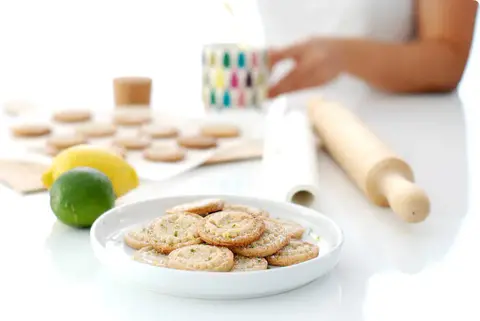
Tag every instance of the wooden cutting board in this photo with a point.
(24, 176)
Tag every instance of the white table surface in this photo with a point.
(389, 270)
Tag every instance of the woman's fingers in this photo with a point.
(316, 64)
(302, 76)
(295, 80)
(291, 52)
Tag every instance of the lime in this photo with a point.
(79, 196)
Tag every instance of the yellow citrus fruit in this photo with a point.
(123, 176)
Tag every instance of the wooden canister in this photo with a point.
(132, 91)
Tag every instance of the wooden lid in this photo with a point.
(132, 80)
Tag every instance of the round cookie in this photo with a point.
(132, 142)
(174, 231)
(247, 209)
(148, 255)
(200, 207)
(201, 258)
(295, 252)
(273, 239)
(72, 116)
(220, 131)
(138, 237)
(30, 130)
(244, 264)
(159, 131)
(197, 142)
(97, 129)
(131, 119)
(294, 229)
(166, 154)
(61, 142)
(228, 228)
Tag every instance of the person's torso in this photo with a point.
(286, 21)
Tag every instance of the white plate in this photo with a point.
(107, 242)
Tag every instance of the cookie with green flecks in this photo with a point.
(295, 252)
(294, 230)
(138, 237)
(201, 257)
(201, 207)
(272, 240)
(247, 209)
(244, 264)
(174, 231)
(229, 228)
(149, 255)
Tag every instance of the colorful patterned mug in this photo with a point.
(234, 76)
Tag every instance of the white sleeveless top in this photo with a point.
(287, 21)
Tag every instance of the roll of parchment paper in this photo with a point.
(289, 166)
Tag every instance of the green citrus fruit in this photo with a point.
(79, 196)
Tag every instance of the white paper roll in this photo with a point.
(289, 166)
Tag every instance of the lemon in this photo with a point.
(123, 176)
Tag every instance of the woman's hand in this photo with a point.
(317, 61)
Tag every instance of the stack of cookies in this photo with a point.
(128, 130)
(210, 235)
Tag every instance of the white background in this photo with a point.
(64, 53)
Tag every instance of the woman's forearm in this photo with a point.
(412, 67)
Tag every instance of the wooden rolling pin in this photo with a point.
(384, 178)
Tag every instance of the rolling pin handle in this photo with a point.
(405, 198)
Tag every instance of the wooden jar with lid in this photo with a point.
(132, 91)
